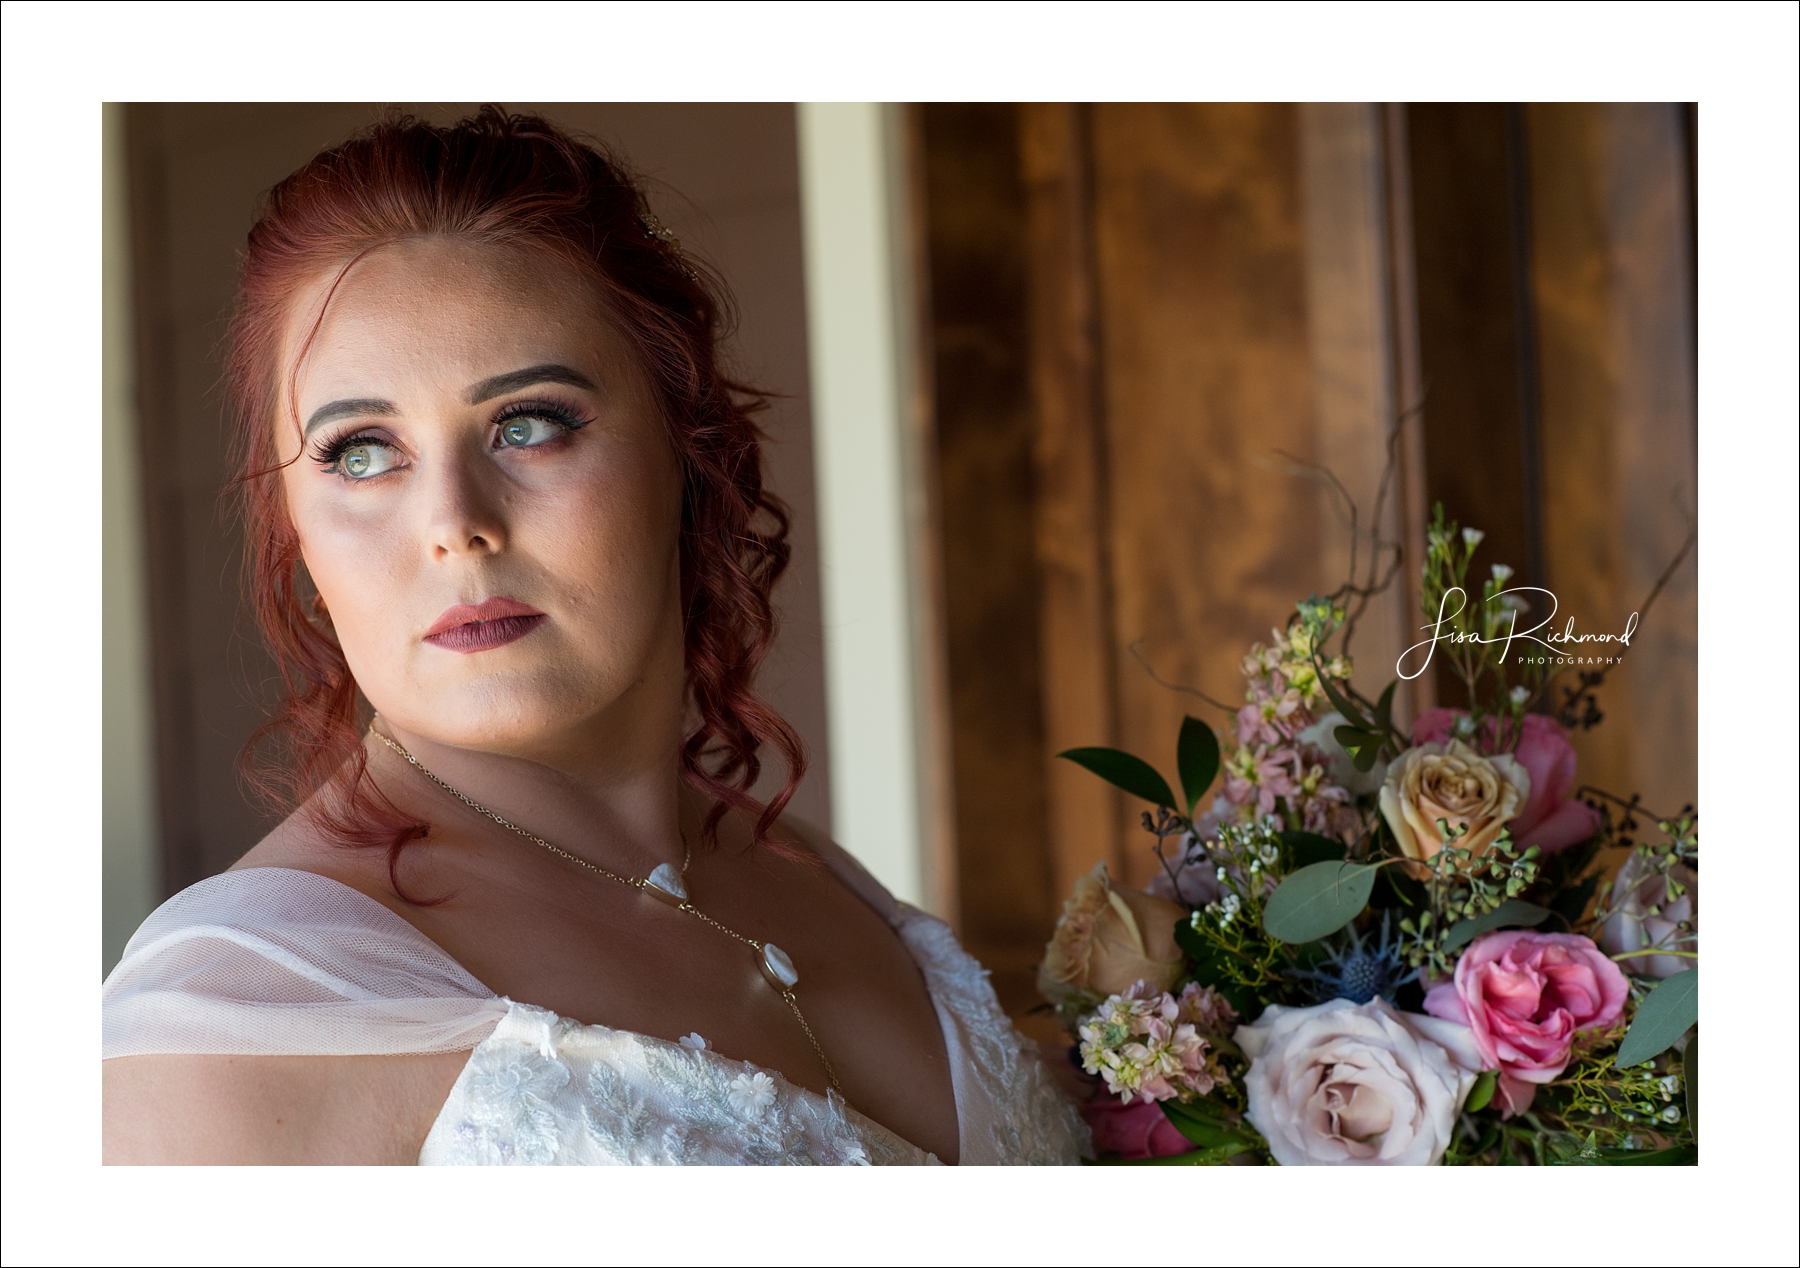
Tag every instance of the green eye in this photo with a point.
(526, 430)
(359, 462)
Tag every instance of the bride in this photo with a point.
(525, 910)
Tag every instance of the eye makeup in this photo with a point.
(361, 454)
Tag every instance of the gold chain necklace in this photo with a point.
(668, 885)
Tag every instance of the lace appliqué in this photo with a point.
(543, 1090)
(1029, 1120)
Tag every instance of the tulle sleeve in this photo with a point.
(271, 961)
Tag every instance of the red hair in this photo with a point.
(515, 181)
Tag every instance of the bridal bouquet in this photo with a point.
(1374, 947)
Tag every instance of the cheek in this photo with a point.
(357, 559)
(610, 534)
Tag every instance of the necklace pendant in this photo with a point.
(665, 883)
(778, 968)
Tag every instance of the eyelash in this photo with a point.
(553, 412)
(328, 453)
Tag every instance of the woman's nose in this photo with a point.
(467, 517)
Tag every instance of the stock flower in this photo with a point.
(1209, 1012)
(1257, 775)
(1342, 1084)
(1110, 937)
(1450, 782)
(1644, 918)
(1138, 1042)
(1526, 997)
(1550, 817)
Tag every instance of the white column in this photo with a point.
(130, 870)
(856, 295)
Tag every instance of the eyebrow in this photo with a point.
(335, 410)
(500, 384)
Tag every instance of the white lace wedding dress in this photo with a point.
(273, 961)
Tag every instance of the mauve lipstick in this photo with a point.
(482, 626)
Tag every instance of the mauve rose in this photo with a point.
(1526, 997)
(1109, 938)
(1137, 1130)
(1636, 891)
(1551, 818)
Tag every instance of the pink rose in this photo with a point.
(1526, 996)
(1551, 818)
(1138, 1130)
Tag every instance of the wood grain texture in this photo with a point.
(1615, 309)
(1069, 462)
(1202, 264)
(975, 230)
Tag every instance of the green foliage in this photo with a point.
(1226, 939)
(1482, 1092)
(1690, 1078)
(1122, 770)
(1475, 627)
(1590, 1154)
(1513, 913)
(1462, 887)
(1636, 1106)
(1662, 1018)
(1197, 759)
(1318, 900)
(1307, 848)
(1217, 1136)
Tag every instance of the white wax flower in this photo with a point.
(1344, 1084)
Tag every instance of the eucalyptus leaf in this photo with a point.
(1661, 1019)
(1122, 770)
(1514, 911)
(1196, 759)
(1482, 1092)
(1319, 900)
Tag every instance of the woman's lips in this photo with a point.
(485, 625)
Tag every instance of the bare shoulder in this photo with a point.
(851, 873)
(238, 1110)
(298, 844)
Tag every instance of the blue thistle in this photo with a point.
(1355, 970)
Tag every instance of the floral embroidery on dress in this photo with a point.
(751, 1094)
(543, 1090)
(1035, 1123)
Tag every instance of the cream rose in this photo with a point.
(1349, 1085)
(1111, 938)
(1452, 782)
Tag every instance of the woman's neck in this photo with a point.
(617, 803)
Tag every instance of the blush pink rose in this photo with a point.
(1551, 818)
(1526, 996)
(1137, 1130)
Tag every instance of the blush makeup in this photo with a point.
(483, 626)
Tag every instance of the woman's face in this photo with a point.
(485, 498)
